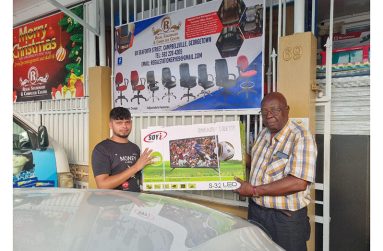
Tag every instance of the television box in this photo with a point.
(194, 157)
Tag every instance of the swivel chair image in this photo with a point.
(253, 21)
(121, 85)
(123, 38)
(152, 84)
(203, 80)
(249, 24)
(168, 82)
(186, 80)
(230, 12)
(137, 85)
(244, 75)
(229, 41)
(222, 75)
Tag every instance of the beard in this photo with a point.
(120, 135)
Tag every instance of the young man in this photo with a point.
(117, 162)
(283, 162)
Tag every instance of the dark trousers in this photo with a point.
(289, 229)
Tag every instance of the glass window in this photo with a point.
(21, 138)
(345, 57)
(356, 56)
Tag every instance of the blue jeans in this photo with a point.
(289, 229)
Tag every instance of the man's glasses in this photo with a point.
(275, 111)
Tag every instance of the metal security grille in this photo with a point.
(66, 121)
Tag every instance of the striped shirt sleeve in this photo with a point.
(303, 161)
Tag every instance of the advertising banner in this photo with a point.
(208, 158)
(205, 57)
(48, 58)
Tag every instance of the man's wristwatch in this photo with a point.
(255, 192)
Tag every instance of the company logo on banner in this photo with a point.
(205, 57)
(168, 32)
(47, 58)
(155, 136)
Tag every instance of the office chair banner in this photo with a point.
(48, 58)
(205, 57)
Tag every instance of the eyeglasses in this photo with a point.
(274, 111)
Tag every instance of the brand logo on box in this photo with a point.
(155, 136)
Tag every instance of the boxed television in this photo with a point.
(194, 157)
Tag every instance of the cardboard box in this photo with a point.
(194, 157)
(296, 74)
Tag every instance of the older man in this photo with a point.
(283, 162)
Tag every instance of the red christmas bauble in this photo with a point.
(51, 32)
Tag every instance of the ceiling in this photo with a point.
(342, 8)
(24, 10)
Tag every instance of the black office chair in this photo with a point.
(229, 41)
(123, 37)
(203, 80)
(168, 82)
(222, 75)
(186, 80)
(253, 20)
(230, 12)
(152, 84)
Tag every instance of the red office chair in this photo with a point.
(244, 75)
(121, 85)
(138, 84)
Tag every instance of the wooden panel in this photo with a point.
(296, 75)
(99, 108)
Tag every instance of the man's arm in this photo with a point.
(287, 185)
(107, 181)
(248, 161)
(304, 148)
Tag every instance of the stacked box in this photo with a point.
(194, 157)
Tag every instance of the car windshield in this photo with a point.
(79, 219)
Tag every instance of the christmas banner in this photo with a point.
(205, 57)
(207, 158)
(48, 58)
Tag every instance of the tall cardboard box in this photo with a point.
(99, 108)
(297, 74)
(296, 79)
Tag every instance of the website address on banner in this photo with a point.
(35, 60)
(176, 58)
(158, 107)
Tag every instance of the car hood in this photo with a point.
(79, 219)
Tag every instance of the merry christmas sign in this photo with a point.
(48, 58)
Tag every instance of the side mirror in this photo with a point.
(42, 138)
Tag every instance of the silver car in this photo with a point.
(79, 219)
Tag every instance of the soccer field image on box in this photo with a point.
(194, 157)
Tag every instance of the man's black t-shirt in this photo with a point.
(111, 158)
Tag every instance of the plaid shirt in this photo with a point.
(292, 151)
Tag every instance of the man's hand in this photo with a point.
(246, 189)
(145, 159)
